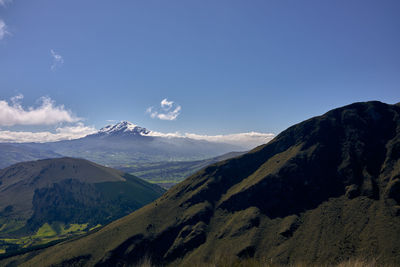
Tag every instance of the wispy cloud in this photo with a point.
(47, 113)
(4, 2)
(58, 60)
(166, 105)
(168, 110)
(3, 29)
(62, 133)
(246, 140)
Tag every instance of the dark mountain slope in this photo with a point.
(323, 191)
(66, 191)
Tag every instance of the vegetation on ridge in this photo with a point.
(49, 200)
(323, 192)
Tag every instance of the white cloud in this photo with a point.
(47, 113)
(3, 29)
(76, 131)
(245, 140)
(166, 105)
(168, 110)
(16, 99)
(62, 133)
(58, 60)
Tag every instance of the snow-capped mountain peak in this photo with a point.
(123, 127)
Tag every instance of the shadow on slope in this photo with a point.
(323, 191)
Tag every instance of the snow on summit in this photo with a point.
(123, 127)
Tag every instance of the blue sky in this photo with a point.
(232, 66)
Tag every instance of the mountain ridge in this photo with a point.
(323, 191)
(12, 153)
(122, 143)
(123, 127)
(53, 194)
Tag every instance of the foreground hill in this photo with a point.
(53, 194)
(323, 191)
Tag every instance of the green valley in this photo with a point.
(169, 173)
(324, 192)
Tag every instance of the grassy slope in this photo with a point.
(91, 195)
(23, 179)
(325, 190)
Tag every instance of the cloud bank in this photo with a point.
(246, 140)
(58, 60)
(62, 133)
(3, 29)
(47, 113)
(168, 110)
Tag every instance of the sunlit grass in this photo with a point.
(74, 228)
(47, 233)
(95, 227)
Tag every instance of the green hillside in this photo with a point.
(46, 200)
(324, 191)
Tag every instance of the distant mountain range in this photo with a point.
(11, 153)
(119, 144)
(324, 191)
(54, 194)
